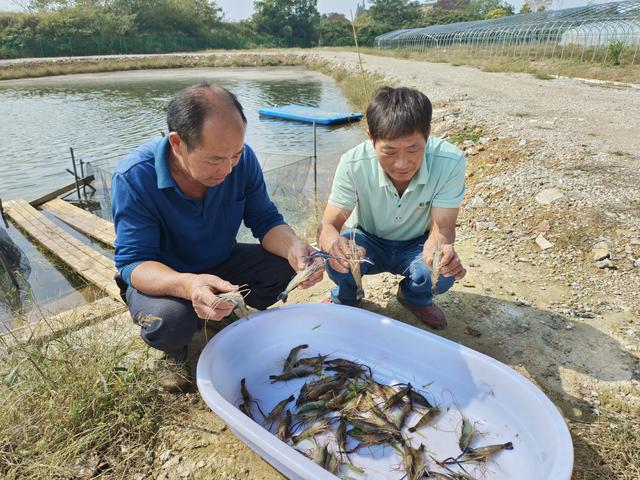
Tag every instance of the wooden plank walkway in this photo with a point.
(83, 221)
(90, 264)
(67, 188)
(48, 328)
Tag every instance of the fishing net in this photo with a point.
(14, 272)
(285, 175)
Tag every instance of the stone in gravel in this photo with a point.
(637, 263)
(606, 263)
(522, 142)
(548, 196)
(468, 143)
(543, 226)
(543, 243)
(472, 331)
(635, 241)
(576, 195)
(470, 151)
(486, 226)
(600, 251)
(172, 461)
(164, 456)
(484, 140)
(184, 472)
(477, 202)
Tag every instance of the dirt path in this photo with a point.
(605, 118)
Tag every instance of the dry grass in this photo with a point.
(607, 449)
(542, 69)
(81, 406)
(357, 88)
(107, 64)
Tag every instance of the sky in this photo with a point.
(239, 9)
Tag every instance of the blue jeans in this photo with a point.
(398, 257)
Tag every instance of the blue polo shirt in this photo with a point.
(155, 220)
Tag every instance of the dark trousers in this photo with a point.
(169, 323)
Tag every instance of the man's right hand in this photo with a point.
(342, 248)
(202, 291)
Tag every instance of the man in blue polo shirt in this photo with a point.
(399, 192)
(178, 202)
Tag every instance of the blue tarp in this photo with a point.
(309, 114)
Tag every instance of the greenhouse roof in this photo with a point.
(628, 10)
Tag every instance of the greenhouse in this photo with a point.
(593, 33)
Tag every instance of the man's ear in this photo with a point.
(177, 143)
(369, 135)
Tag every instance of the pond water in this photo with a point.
(103, 116)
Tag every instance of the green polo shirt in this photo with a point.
(361, 186)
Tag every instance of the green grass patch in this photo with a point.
(471, 132)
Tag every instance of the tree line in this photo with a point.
(83, 27)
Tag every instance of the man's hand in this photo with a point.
(342, 248)
(450, 264)
(202, 291)
(298, 260)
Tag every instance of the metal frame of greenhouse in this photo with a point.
(589, 34)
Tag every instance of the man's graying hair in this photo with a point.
(398, 112)
(188, 109)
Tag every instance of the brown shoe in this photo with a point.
(174, 377)
(432, 316)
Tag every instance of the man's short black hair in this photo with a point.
(188, 109)
(398, 112)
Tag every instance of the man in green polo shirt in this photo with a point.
(398, 193)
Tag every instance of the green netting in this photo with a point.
(14, 272)
(285, 175)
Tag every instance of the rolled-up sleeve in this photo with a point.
(343, 191)
(137, 230)
(451, 193)
(260, 213)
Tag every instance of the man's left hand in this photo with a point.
(298, 259)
